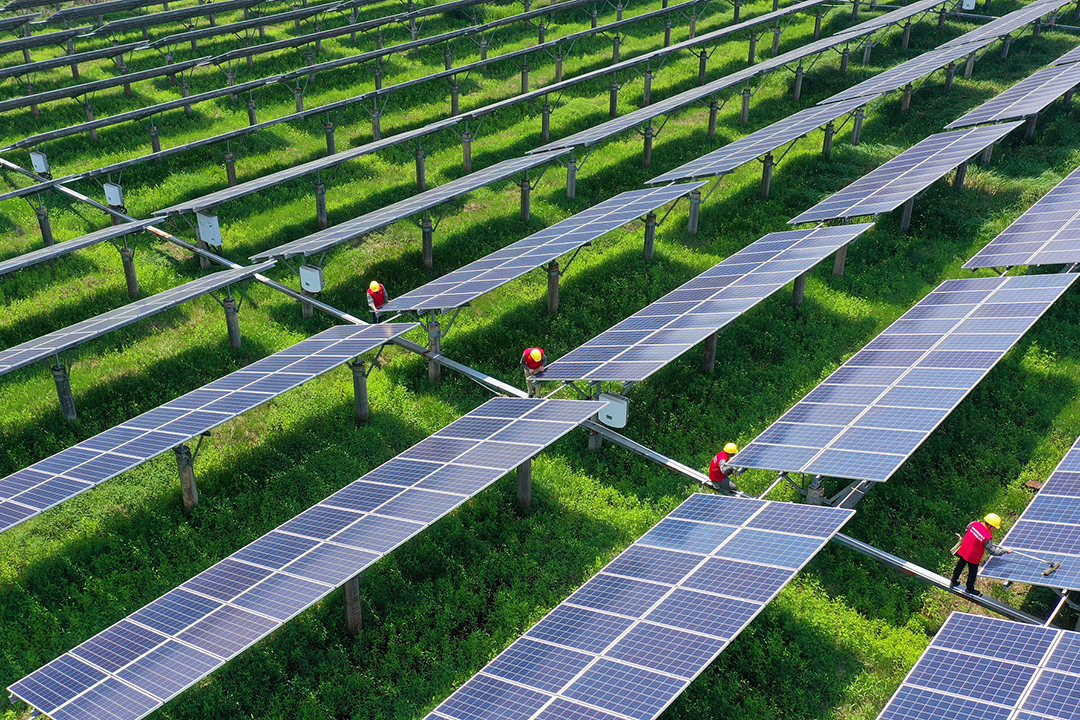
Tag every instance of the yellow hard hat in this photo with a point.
(993, 519)
(535, 355)
(374, 286)
(731, 448)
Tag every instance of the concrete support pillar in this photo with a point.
(987, 154)
(435, 346)
(845, 58)
(360, 393)
(826, 145)
(455, 97)
(426, 235)
(307, 310)
(526, 199)
(646, 95)
(905, 214)
(708, 362)
(615, 42)
(354, 620)
(619, 12)
(961, 175)
(1029, 128)
(776, 41)
(596, 440)
(524, 78)
(714, 110)
(155, 139)
(448, 58)
(45, 225)
(905, 100)
(817, 25)
(969, 66)
(667, 31)
(204, 262)
(466, 152)
(738, 11)
(253, 118)
(1036, 29)
(650, 235)
(185, 464)
(838, 261)
(127, 259)
(799, 73)
(558, 67)
(524, 488)
(941, 18)
(541, 34)
(906, 39)
(185, 91)
(751, 54)
(376, 124)
(744, 112)
(331, 143)
(34, 109)
(855, 10)
(767, 166)
(545, 122)
(553, 287)
(856, 128)
(298, 93)
(483, 53)
(695, 212)
(377, 72)
(63, 392)
(799, 291)
(613, 99)
(232, 321)
(320, 205)
(421, 170)
(90, 118)
(646, 155)
(571, 179)
(693, 25)
(1067, 98)
(1005, 46)
(950, 75)
(230, 168)
(867, 49)
(703, 58)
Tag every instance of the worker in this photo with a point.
(377, 296)
(532, 362)
(720, 471)
(978, 539)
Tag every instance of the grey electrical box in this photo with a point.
(311, 278)
(114, 195)
(968, 4)
(614, 413)
(209, 229)
(39, 161)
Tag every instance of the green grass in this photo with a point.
(835, 644)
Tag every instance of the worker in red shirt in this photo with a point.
(978, 539)
(376, 298)
(532, 362)
(720, 472)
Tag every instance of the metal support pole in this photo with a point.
(541, 36)
(613, 100)
(714, 109)
(906, 40)
(1067, 98)
(230, 168)
(307, 310)
(63, 392)
(867, 49)
(667, 31)
(775, 41)
(354, 619)
(428, 242)
(185, 91)
(127, 259)
(941, 18)
(646, 95)
(693, 25)
(650, 235)
(838, 260)
(987, 154)
(817, 25)
(553, 287)
(42, 213)
(703, 58)
(856, 127)
(455, 98)
(466, 152)
(545, 122)
(376, 125)
(448, 58)
(524, 489)
(708, 363)
(596, 440)
(524, 78)
(646, 155)
(905, 100)
(155, 139)
(526, 199)
(1036, 29)
(826, 145)
(331, 143)
(90, 118)
(377, 72)
(592, 17)
(571, 179)
(435, 346)
(969, 66)
(421, 172)
(232, 321)
(360, 393)
(558, 67)
(695, 212)
(744, 112)
(799, 291)
(799, 72)
(950, 75)
(961, 175)
(298, 93)
(186, 467)
(615, 42)
(767, 165)
(204, 262)
(905, 215)
(320, 205)
(1029, 128)
(738, 9)
(751, 55)
(845, 57)
(483, 53)
(1005, 45)
(252, 117)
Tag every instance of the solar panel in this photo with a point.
(97, 9)
(1027, 97)
(462, 286)
(351, 229)
(14, 23)
(53, 251)
(75, 470)
(40, 40)
(56, 342)
(870, 415)
(240, 25)
(985, 668)
(167, 646)
(651, 338)
(633, 637)
(174, 15)
(1069, 57)
(1013, 21)
(888, 187)
(733, 155)
(106, 52)
(904, 13)
(1047, 234)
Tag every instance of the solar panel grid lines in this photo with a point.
(1011, 22)
(56, 479)
(41, 39)
(909, 10)
(53, 251)
(733, 155)
(89, 55)
(388, 214)
(892, 184)
(1047, 233)
(464, 285)
(871, 414)
(1028, 97)
(654, 336)
(170, 644)
(1069, 57)
(58, 341)
(634, 636)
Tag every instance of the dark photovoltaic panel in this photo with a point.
(1027, 97)
(1047, 234)
(732, 156)
(470, 282)
(870, 415)
(13, 23)
(40, 40)
(170, 644)
(1048, 528)
(77, 469)
(174, 15)
(74, 335)
(77, 12)
(888, 187)
(351, 229)
(904, 13)
(108, 52)
(651, 338)
(267, 20)
(1013, 21)
(986, 668)
(214, 199)
(632, 638)
(1069, 57)
(68, 246)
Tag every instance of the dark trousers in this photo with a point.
(973, 572)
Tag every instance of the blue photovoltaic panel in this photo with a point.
(1069, 57)
(172, 643)
(888, 187)
(1048, 528)
(470, 282)
(74, 335)
(75, 470)
(633, 637)
(53, 251)
(1011, 22)
(1047, 234)
(870, 415)
(1027, 97)
(984, 668)
(651, 338)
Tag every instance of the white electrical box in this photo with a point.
(311, 278)
(968, 4)
(614, 413)
(209, 229)
(114, 195)
(40, 162)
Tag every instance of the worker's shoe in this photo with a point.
(974, 593)
(953, 585)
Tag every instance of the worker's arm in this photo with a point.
(995, 549)
(371, 302)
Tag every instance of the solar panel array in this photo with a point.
(174, 15)
(1049, 528)
(1027, 97)
(1069, 57)
(74, 335)
(75, 470)
(470, 282)
(632, 638)
(54, 251)
(907, 11)
(985, 668)
(236, 27)
(888, 187)
(40, 40)
(351, 229)
(62, 60)
(1046, 234)
(128, 670)
(870, 415)
(733, 155)
(1013, 21)
(651, 338)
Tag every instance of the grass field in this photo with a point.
(837, 641)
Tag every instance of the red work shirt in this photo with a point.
(527, 361)
(715, 474)
(973, 546)
(378, 298)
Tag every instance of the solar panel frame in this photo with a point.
(904, 395)
(1028, 97)
(87, 56)
(42, 39)
(97, 9)
(68, 246)
(14, 23)
(173, 15)
(1011, 22)
(890, 185)
(1069, 57)
(266, 583)
(300, 13)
